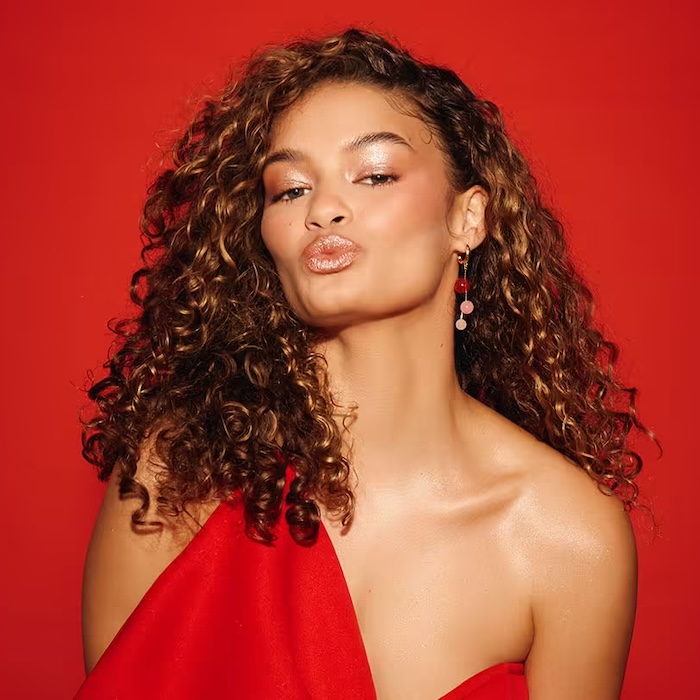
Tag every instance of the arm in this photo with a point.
(123, 562)
(584, 601)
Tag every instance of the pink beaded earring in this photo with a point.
(462, 287)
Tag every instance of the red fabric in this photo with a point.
(233, 618)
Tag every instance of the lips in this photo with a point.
(330, 253)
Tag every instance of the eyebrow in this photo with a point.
(286, 155)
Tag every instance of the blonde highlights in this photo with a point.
(218, 371)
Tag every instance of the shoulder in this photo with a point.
(582, 547)
(575, 526)
(123, 561)
(568, 510)
(584, 586)
(580, 550)
(558, 502)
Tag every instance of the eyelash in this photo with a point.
(388, 179)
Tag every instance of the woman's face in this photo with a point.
(358, 213)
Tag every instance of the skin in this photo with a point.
(473, 543)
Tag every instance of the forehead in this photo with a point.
(335, 113)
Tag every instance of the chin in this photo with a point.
(337, 315)
(328, 318)
(327, 305)
(329, 301)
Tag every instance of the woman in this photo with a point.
(365, 365)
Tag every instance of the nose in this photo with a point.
(326, 209)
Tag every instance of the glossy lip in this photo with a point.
(330, 253)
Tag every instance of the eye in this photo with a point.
(290, 194)
(378, 179)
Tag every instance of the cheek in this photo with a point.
(279, 229)
(276, 230)
(413, 215)
(411, 240)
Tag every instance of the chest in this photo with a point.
(437, 599)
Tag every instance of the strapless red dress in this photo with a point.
(233, 618)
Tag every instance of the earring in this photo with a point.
(462, 287)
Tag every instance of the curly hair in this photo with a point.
(218, 371)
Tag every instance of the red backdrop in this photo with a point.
(605, 102)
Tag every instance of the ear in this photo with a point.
(468, 222)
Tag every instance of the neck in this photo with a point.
(400, 374)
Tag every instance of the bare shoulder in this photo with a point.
(581, 554)
(568, 510)
(123, 561)
(559, 502)
(584, 586)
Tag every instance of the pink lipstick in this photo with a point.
(329, 254)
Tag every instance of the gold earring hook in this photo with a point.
(463, 258)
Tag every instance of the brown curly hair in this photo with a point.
(221, 374)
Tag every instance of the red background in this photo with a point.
(603, 99)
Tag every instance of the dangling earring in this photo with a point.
(462, 287)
